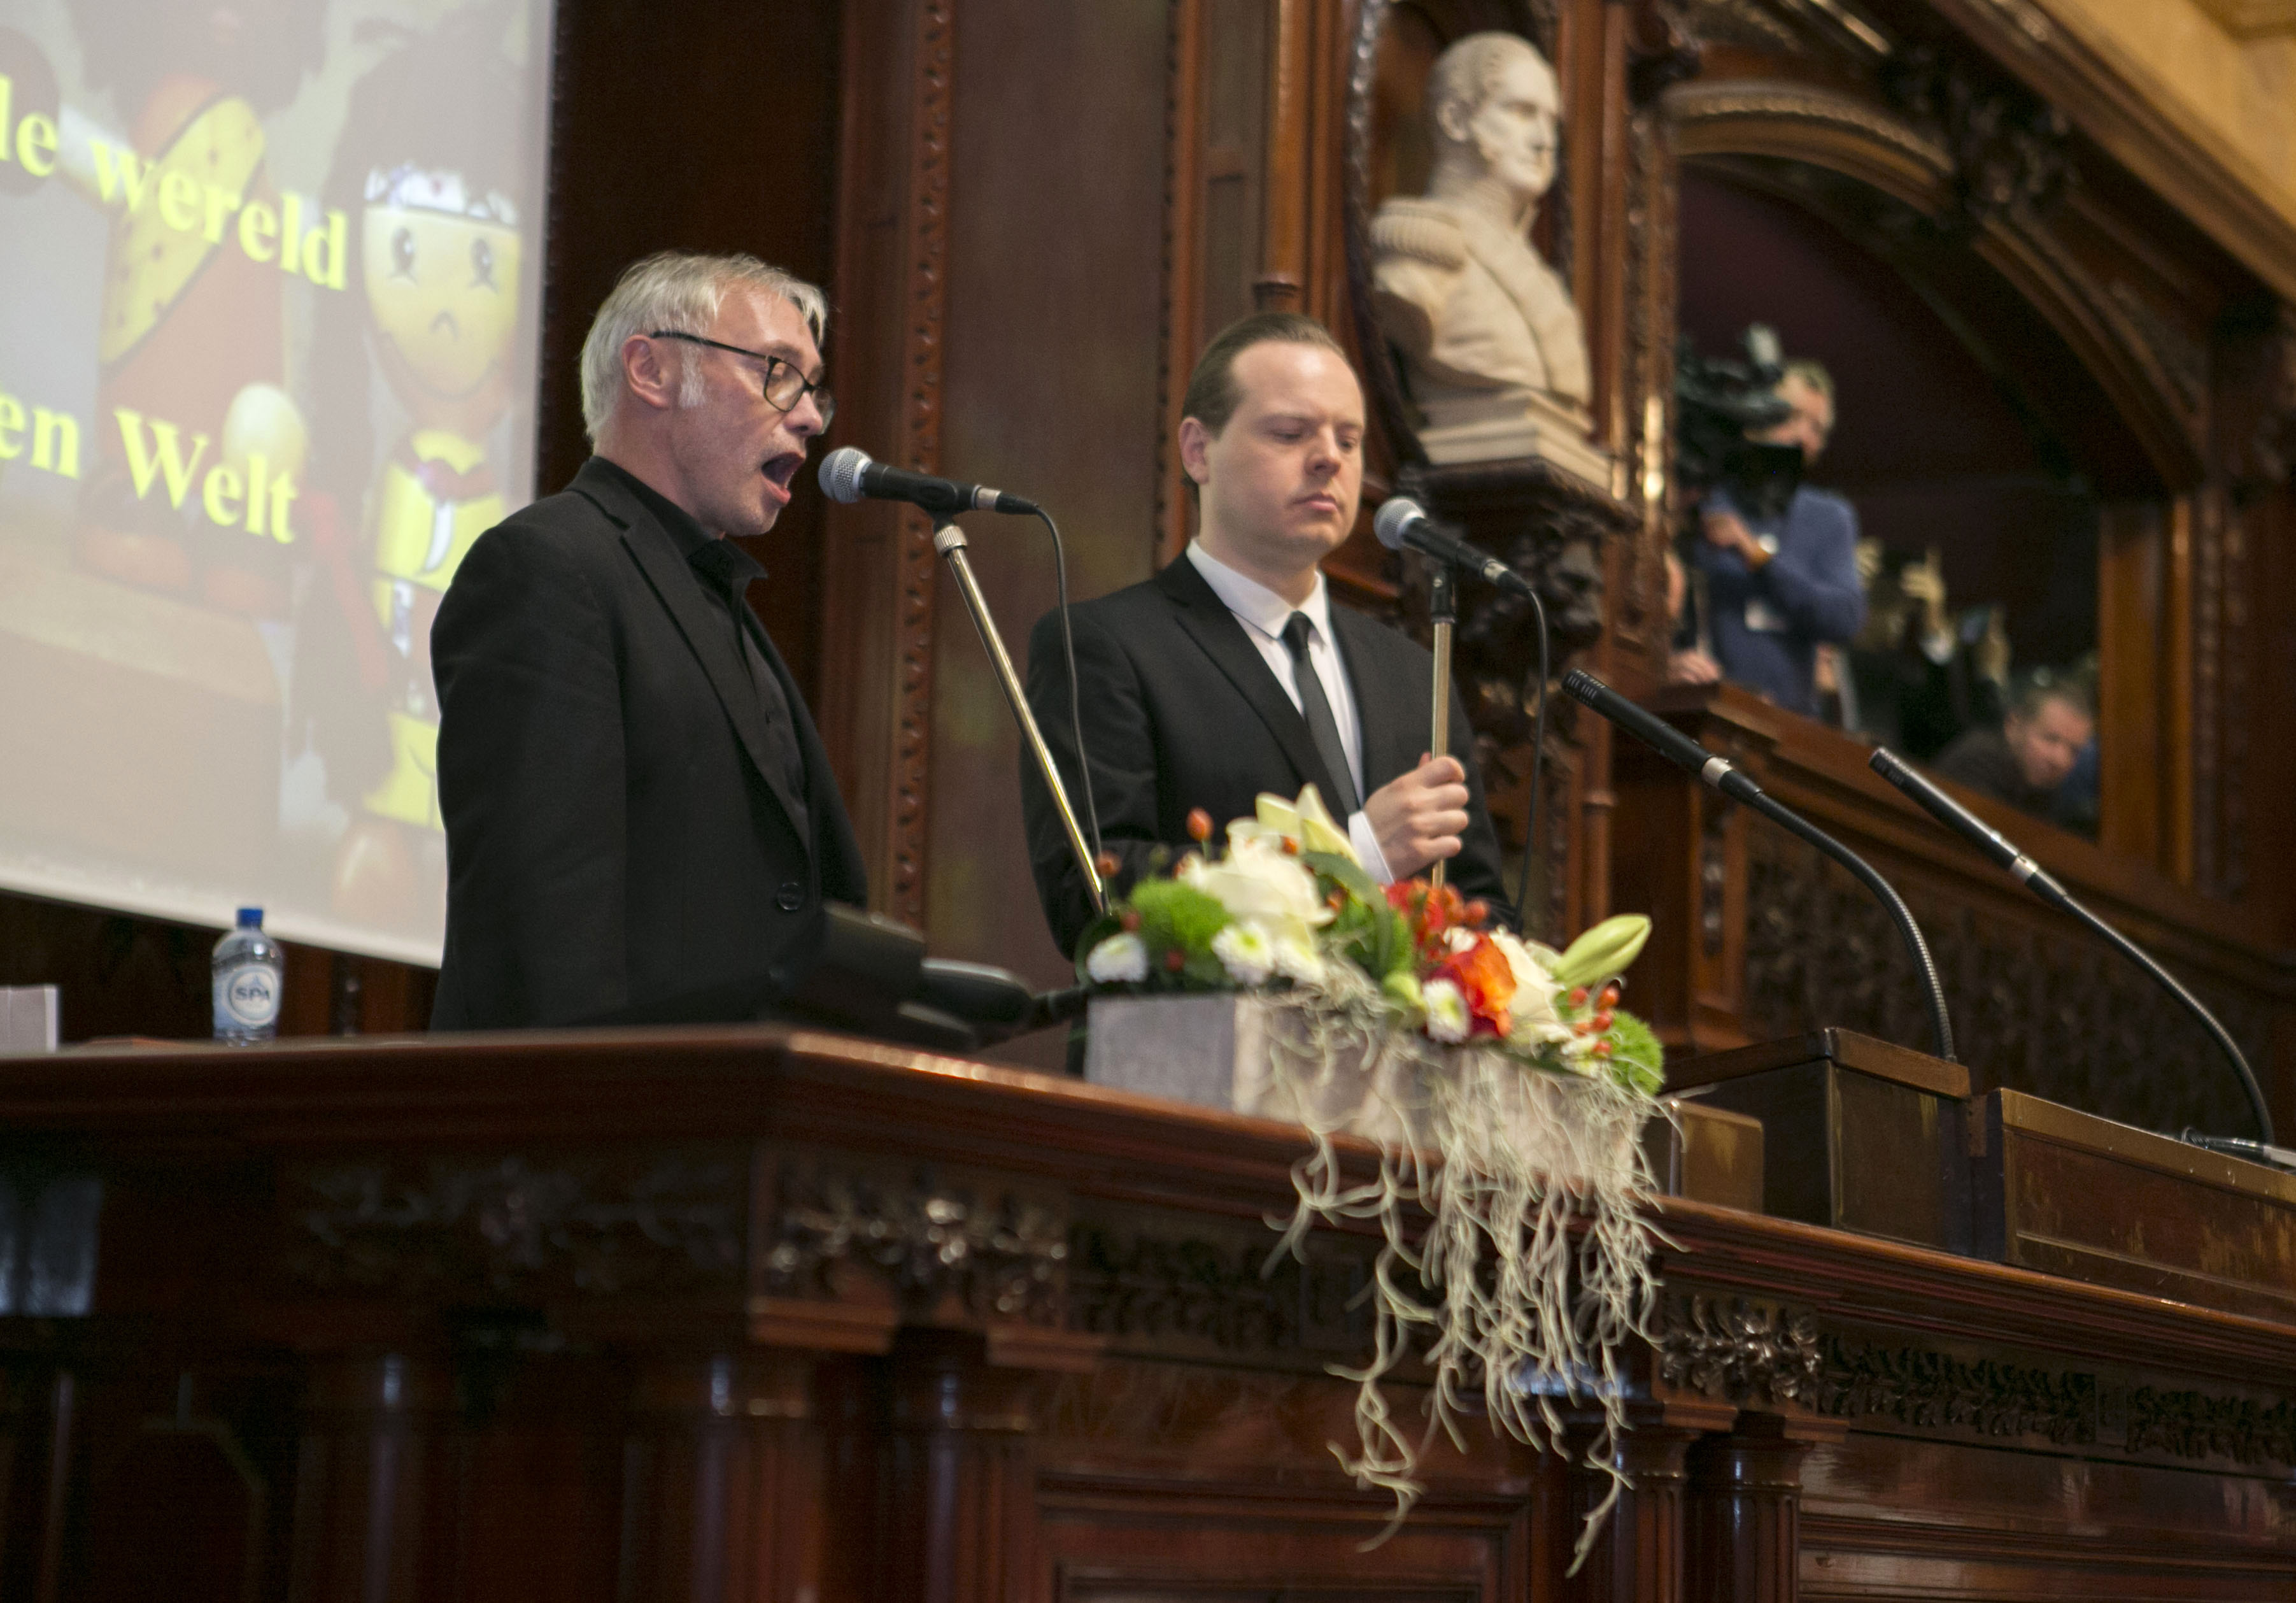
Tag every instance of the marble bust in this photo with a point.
(1492, 347)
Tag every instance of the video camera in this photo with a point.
(1718, 400)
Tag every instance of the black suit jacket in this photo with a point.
(614, 839)
(1181, 710)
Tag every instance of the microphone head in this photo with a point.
(1581, 685)
(840, 473)
(1396, 515)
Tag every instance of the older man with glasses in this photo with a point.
(641, 821)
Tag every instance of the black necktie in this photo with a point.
(729, 569)
(1322, 728)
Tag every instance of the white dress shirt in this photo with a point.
(1263, 614)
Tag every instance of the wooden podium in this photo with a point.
(745, 1313)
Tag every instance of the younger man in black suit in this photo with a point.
(1231, 673)
(639, 812)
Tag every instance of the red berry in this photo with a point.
(1291, 845)
(1478, 910)
(1611, 994)
(1200, 824)
(1601, 1048)
(1129, 919)
(1175, 961)
(1107, 864)
(1602, 1021)
(1577, 996)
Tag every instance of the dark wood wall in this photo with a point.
(1056, 289)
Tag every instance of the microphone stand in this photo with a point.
(1443, 612)
(1726, 777)
(949, 541)
(2037, 879)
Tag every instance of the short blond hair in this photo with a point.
(679, 289)
(1813, 374)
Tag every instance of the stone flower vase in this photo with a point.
(1253, 1055)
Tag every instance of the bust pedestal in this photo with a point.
(1492, 428)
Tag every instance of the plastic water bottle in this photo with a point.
(248, 969)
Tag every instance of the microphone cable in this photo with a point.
(1537, 765)
(1076, 711)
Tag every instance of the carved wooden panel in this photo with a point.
(535, 1224)
(994, 1253)
(2035, 1007)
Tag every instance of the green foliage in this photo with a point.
(1636, 1058)
(1365, 931)
(1174, 915)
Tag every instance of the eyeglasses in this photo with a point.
(785, 386)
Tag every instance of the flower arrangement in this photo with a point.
(1505, 1088)
(1290, 905)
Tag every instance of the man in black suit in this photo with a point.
(1231, 672)
(638, 810)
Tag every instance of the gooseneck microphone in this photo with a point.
(1726, 777)
(850, 474)
(2030, 874)
(1401, 523)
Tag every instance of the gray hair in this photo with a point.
(676, 289)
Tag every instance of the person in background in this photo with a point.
(1687, 661)
(1924, 675)
(1779, 587)
(2027, 760)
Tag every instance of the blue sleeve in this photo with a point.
(1813, 580)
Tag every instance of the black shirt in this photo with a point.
(727, 572)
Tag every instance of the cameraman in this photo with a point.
(1777, 589)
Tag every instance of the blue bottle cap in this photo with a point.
(250, 918)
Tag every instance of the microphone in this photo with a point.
(1660, 735)
(1726, 777)
(2030, 874)
(1966, 824)
(849, 474)
(1402, 522)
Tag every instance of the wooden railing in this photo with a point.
(1757, 938)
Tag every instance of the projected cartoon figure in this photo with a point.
(199, 436)
(434, 154)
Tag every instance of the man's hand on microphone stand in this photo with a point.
(1418, 817)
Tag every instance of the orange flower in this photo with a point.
(1486, 978)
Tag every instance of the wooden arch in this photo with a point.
(1854, 139)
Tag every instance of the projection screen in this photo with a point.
(270, 278)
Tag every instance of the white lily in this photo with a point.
(1300, 962)
(1261, 884)
(1532, 1007)
(1306, 820)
